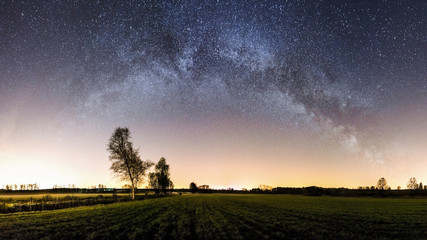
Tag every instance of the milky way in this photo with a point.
(326, 67)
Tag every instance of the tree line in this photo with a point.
(22, 187)
(411, 185)
(128, 166)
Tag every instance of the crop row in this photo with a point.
(228, 216)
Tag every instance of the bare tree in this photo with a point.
(382, 184)
(126, 162)
(412, 184)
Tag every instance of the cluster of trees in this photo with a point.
(30, 186)
(194, 188)
(412, 185)
(128, 165)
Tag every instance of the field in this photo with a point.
(228, 216)
(25, 197)
(22, 202)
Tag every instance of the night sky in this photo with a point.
(231, 93)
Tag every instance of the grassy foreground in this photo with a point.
(227, 216)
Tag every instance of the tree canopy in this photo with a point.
(159, 179)
(382, 184)
(193, 187)
(412, 183)
(126, 162)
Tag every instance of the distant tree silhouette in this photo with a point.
(420, 186)
(159, 179)
(398, 188)
(126, 162)
(193, 187)
(412, 183)
(382, 184)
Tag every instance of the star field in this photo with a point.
(339, 71)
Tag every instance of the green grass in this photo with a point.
(38, 196)
(228, 216)
(19, 197)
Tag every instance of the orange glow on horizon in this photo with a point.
(223, 154)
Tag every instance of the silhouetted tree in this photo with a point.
(140, 169)
(398, 188)
(382, 184)
(193, 187)
(420, 186)
(159, 179)
(412, 184)
(126, 162)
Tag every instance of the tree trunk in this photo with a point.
(133, 193)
